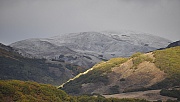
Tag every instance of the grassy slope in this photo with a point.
(14, 66)
(26, 91)
(167, 60)
(98, 74)
(14, 90)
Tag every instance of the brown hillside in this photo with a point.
(125, 78)
(155, 70)
(136, 73)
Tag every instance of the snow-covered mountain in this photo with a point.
(88, 48)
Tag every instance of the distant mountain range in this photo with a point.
(88, 48)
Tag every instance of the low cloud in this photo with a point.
(44, 18)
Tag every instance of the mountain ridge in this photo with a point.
(87, 48)
(15, 66)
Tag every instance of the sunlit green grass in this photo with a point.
(26, 91)
(168, 60)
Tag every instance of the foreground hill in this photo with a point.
(87, 48)
(14, 90)
(26, 91)
(155, 70)
(15, 66)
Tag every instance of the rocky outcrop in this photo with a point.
(174, 44)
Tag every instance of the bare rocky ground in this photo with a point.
(151, 95)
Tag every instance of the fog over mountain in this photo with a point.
(23, 19)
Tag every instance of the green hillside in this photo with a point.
(168, 60)
(20, 91)
(26, 91)
(156, 70)
(15, 66)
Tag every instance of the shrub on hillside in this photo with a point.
(139, 59)
(136, 54)
(171, 93)
(114, 89)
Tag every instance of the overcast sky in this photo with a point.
(23, 19)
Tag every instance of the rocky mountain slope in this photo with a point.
(177, 43)
(15, 66)
(154, 70)
(87, 48)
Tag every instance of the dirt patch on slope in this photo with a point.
(129, 78)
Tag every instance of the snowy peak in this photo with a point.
(132, 37)
(88, 48)
(139, 38)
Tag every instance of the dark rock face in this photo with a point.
(177, 43)
(7, 48)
